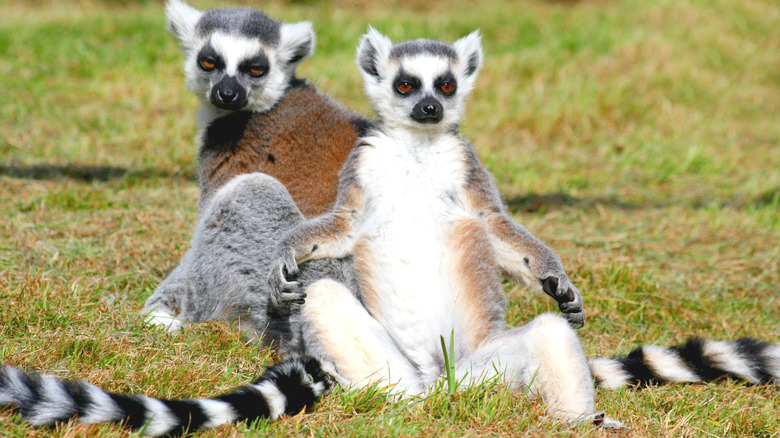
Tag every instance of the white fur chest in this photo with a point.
(406, 182)
(413, 193)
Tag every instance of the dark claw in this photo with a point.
(569, 297)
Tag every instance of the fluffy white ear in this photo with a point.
(374, 49)
(182, 19)
(296, 42)
(469, 49)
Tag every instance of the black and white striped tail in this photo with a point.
(285, 388)
(694, 361)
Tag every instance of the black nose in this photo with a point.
(428, 110)
(228, 94)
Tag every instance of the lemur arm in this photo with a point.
(521, 255)
(328, 236)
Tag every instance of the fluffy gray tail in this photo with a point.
(694, 361)
(285, 388)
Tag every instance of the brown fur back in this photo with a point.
(303, 142)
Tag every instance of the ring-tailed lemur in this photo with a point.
(430, 239)
(343, 331)
(256, 116)
(425, 224)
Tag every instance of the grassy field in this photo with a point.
(640, 139)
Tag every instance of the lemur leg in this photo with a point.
(224, 273)
(338, 329)
(163, 308)
(544, 354)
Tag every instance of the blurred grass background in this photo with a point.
(639, 139)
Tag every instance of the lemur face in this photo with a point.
(238, 59)
(420, 84)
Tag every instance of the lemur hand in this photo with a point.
(568, 297)
(284, 289)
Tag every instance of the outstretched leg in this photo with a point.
(338, 329)
(544, 355)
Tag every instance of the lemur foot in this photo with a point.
(165, 319)
(601, 420)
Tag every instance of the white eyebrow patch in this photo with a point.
(426, 67)
(235, 50)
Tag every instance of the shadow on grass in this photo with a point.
(88, 173)
(540, 203)
(770, 197)
(535, 203)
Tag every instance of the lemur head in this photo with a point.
(238, 59)
(420, 84)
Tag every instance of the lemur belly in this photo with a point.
(406, 234)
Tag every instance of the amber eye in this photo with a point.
(208, 64)
(256, 71)
(447, 88)
(404, 87)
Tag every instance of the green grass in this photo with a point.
(640, 139)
